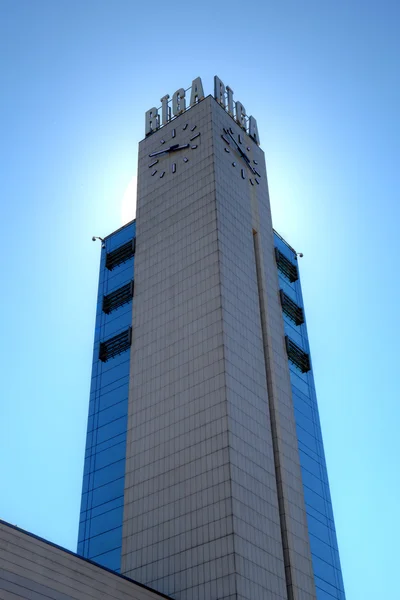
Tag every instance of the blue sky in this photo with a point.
(322, 79)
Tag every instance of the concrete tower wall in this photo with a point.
(213, 493)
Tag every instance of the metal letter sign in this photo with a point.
(197, 91)
(223, 95)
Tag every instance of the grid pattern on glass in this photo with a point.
(291, 309)
(100, 526)
(115, 345)
(286, 266)
(118, 298)
(321, 526)
(120, 255)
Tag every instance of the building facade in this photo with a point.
(321, 526)
(32, 568)
(100, 526)
(204, 468)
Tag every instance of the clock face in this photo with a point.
(241, 156)
(174, 151)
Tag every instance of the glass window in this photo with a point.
(325, 570)
(111, 430)
(116, 411)
(109, 443)
(106, 521)
(110, 456)
(103, 494)
(105, 400)
(109, 473)
(117, 368)
(116, 503)
(111, 560)
(105, 542)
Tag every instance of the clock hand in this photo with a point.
(247, 161)
(160, 152)
(243, 154)
(163, 151)
(170, 149)
(174, 148)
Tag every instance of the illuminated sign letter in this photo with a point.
(219, 91)
(197, 91)
(253, 130)
(178, 102)
(152, 120)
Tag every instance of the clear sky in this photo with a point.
(322, 79)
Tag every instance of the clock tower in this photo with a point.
(214, 505)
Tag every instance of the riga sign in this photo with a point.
(223, 95)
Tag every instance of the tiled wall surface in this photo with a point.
(33, 569)
(202, 518)
(100, 527)
(261, 419)
(324, 548)
(178, 510)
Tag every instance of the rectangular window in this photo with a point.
(297, 356)
(115, 345)
(120, 255)
(286, 266)
(290, 308)
(118, 298)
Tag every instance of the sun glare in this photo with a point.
(128, 204)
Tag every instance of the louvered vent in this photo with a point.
(115, 345)
(290, 308)
(297, 356)
(286, 266)
(118, 298)
(120, 255)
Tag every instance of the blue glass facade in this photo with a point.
(101, 517)
(324, 549)
(100, 526)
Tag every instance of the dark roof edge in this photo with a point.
(91, 562)
(284, 241)
(116, 231)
